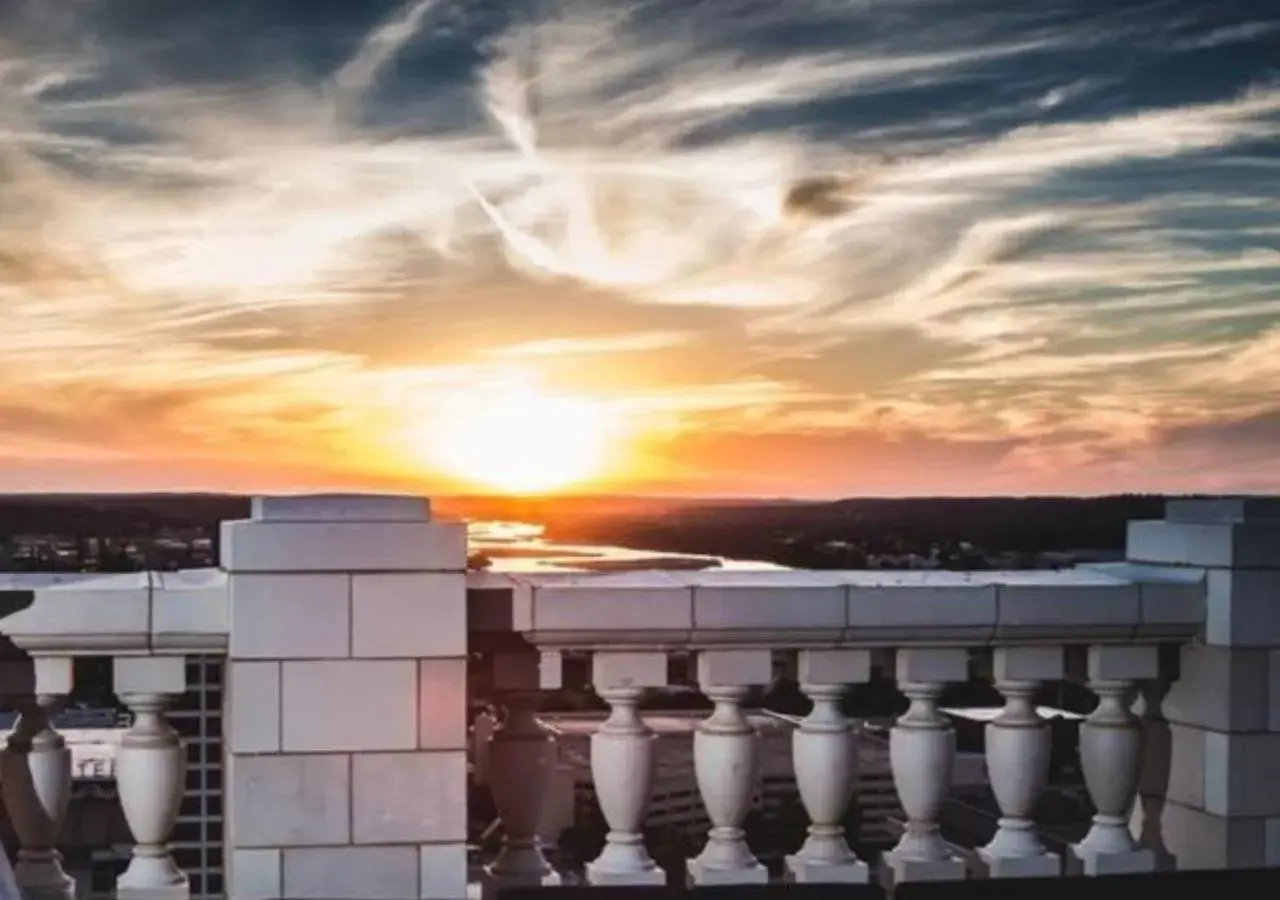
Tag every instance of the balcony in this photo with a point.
(351, 637)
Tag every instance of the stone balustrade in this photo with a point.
(347, 623)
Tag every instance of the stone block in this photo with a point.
(1089, 605)
(988, 865)
(641, 670)
(1242, 774)
(345, 546)
(409, 615)
(699, 875)
(1084, 861)
(891, 606)
(1195, 839)
(341, 508)
(931, 665)
(349, 705)
(255, 875)
(804, 871)
(53, 674)
(290, 616)
(1249, 545)
(730, 668)
(833, 666)
(1036, 663)
(352, 873)
(632, 602)
(1220, 689)
(895, 870)
(1173, 601)
(769, 602)
(409, 797)
(149, 675)
(253, 707)
(443, 871)
(442, 704)
(1133, 662)
(1243, 607)
(289, 801)
(1172, 762)
(189, 609)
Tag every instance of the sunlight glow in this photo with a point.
(520, 440)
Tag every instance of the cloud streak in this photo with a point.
(695, 211)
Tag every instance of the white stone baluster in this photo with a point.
(922, 749)
(150, 767)
(725, 763)
(521, 758)
(825, 754)
(622, 766)
(1018, 746)
(35, 771)
(1110, 754)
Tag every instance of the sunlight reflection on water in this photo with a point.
(523, 547)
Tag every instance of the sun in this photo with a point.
(521, 440)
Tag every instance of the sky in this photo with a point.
(814, 248)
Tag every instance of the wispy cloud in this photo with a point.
(894, 219)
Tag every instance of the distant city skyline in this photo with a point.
(807, 249)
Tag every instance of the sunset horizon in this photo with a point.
(817, 250)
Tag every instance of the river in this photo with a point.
(524, 547)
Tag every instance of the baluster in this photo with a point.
(922, 749)
(622, 765)
(150, 769)
(725, 765)
(1110, 754)
(622, 768)
(35, 772)
(824, 751)
(1018, 747)
(521, 758)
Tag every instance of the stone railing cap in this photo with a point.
(341, 508)
(1223, 510)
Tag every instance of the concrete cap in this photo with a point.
(342, 508)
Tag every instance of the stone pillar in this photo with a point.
(345, 704)
(725, 764)
(922, 751)
(1211, 795)
(622, 766)
(1111, 759)
(1018, 746)
(522, 761)
(824, 751)
(35, 773)
(149, 774)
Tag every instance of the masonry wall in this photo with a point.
(1211, 783)
(345, 716)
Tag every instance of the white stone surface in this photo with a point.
(409, 797)
(91, 611)
(1173, 764)
(289, 801)
(255, 875)
(1196, 839)
(801, 605)
(1219, 688)
(1132, 662)
(54, 675)
(349, 704)
(620, 602)
(1224, 509)
(352, 873)
(341, 508)
(614, 670)
(734, 667)
(833, 666)
(249, 546)
(149, 675)
(1242, 774)
(409, 615)
(290, 616)
(1244, 607)
(442, 704)
(1220, 545)
(943, 604)
(253, 707)
(443, 871)
(937, 665)
(1036, 663)
(1101, 606)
